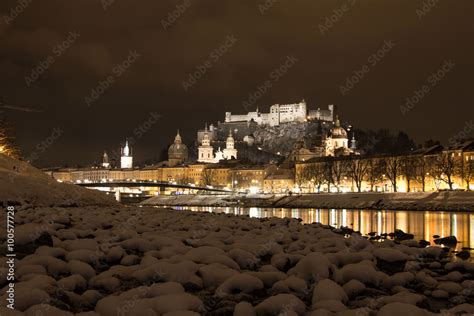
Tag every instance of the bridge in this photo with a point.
(151, 184)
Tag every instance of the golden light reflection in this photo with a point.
(421, 224)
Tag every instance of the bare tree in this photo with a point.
(328, 171)
(392, 169)
(408, 168)
(468, 172)
(422, 168)
(317, 175)
(357, 169)
(375, 170)
(445, 168)
(207, 176)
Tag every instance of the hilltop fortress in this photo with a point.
(283, 113)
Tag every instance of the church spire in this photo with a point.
(338, 122)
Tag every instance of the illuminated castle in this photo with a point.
(283, 113)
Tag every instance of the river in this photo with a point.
(422, 224)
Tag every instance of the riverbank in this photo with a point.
(109, 261)
(442, 201)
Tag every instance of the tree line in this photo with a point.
(331, 172)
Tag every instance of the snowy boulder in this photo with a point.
(115, 254)
(328, 290)
(30, 237)
(280, 304)
(44, 309)
(390, 260)
(51, 251)
(313, 267)
(73, 283)
(81, 268)
(290, 284)
(398, 279)
(183, 272)
(81, 244)
(177, 302)
(450, 287)
(353, 288)
(27, 297)
(244, 309)
(462, 309)
(136, 245)
(402, 309)
(54, 266)
(450, 241)
(90, 298)
(130, 260)
(168, 288)
(285, 261)
(209, 255)
(269, 278)
(363, 272)
(182, 313)
(330, 305)
(109, 284)
(240, 283)
(10, 312)
(215, 274)
(91, 257)
(402, 297)
(343, 258)
(244, 259)
(440, 294)
(30, 269)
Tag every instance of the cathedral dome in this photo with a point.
(337, 131)
(178, 150)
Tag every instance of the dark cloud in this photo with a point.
(167, 57)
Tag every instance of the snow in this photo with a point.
(402, 309)
(390, 254)
(159, 261)
(314, 266)
(239, 283)
(244, 309)
(281, 304)
(446, 201)
(328, 290)
(38, 189)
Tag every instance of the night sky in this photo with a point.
(238, 47)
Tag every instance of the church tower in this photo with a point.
(205, 151)
(126, 161)
(230, 151)
(105, 161)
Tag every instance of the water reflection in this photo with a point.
(421, 224)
